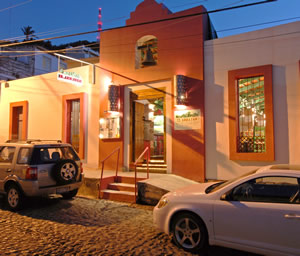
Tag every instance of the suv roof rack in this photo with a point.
(38, 140)
(31, 141)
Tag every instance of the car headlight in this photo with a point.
(162, 202)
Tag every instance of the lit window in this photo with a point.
(251, 135)
(252, 117)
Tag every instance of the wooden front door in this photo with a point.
(138, 129)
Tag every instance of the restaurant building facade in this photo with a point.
(207, 108)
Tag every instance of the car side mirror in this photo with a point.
(227, 196)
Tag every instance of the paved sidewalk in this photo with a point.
(167, 182)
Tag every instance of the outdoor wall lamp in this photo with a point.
(180, 91)
(113, 99)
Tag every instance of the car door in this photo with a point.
(260, 214)
(7, 154)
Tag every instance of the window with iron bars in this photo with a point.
(252, 117)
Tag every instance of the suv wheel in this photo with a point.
(65, 171)
(14, 197)
(70, 194)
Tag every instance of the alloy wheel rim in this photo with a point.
(187, 233)
(13, 197)
(68, 171)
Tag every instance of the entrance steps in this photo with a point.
(118, 189)
(155, 166)
(122, 189)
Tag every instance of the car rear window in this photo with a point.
(24, 156)
(46, 155)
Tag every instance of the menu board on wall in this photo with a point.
(187, 119)
(109, 128)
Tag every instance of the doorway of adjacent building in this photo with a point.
(73, 123)
(18, 120)
(148, 124)
(17, 123)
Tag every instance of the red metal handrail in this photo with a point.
(135, 164)
(101, 177)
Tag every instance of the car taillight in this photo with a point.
(81, 168)
(31, 173)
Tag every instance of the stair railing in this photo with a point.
(102, 169)
(147, 149)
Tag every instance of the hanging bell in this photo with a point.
(149, 60)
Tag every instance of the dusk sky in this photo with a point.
(50, 18)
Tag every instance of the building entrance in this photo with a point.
(148, 124)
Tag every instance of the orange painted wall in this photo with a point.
(107, 146)
(180, 51)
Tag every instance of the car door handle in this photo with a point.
(292, 216)
(8, 170)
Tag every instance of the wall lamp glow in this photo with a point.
(180, 91)
(113, 99)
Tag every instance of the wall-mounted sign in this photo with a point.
(69, 77)
(109, 128)
(187, 119)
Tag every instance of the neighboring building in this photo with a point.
(46, 62)
(54, 106)
(209, 108)
(84, 53)
(252, 105)
(16, 65)
(81, 52)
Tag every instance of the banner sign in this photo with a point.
(187, 119)
(69, 77)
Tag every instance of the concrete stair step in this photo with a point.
(151, 170)
(153, 165)
(156, 161)
(121, 187)
(120, 196)
(125, 179)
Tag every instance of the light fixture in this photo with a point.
(180, 91)
(113, 99)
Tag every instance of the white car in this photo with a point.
(258, 212)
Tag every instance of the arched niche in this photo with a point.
(146, 52)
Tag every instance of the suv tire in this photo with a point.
(14, 197)
(65, 171)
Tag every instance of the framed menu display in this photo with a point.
(109, 128)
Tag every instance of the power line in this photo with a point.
(16, 5)
(256, 38)
(50, 51)
(164, 39)
(60, 30)
(258, 24)
(35, 53)
(143, 23)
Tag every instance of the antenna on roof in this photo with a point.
(99, 24)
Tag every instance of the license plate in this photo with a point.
(62, 190)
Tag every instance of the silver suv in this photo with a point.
(38, 168)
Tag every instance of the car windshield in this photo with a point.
(46, 155)
(215, 187)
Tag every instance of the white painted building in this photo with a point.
(277, 46)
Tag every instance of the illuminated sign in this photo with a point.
(69, 77)
(187, 119)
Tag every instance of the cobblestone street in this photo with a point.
(85, 227)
